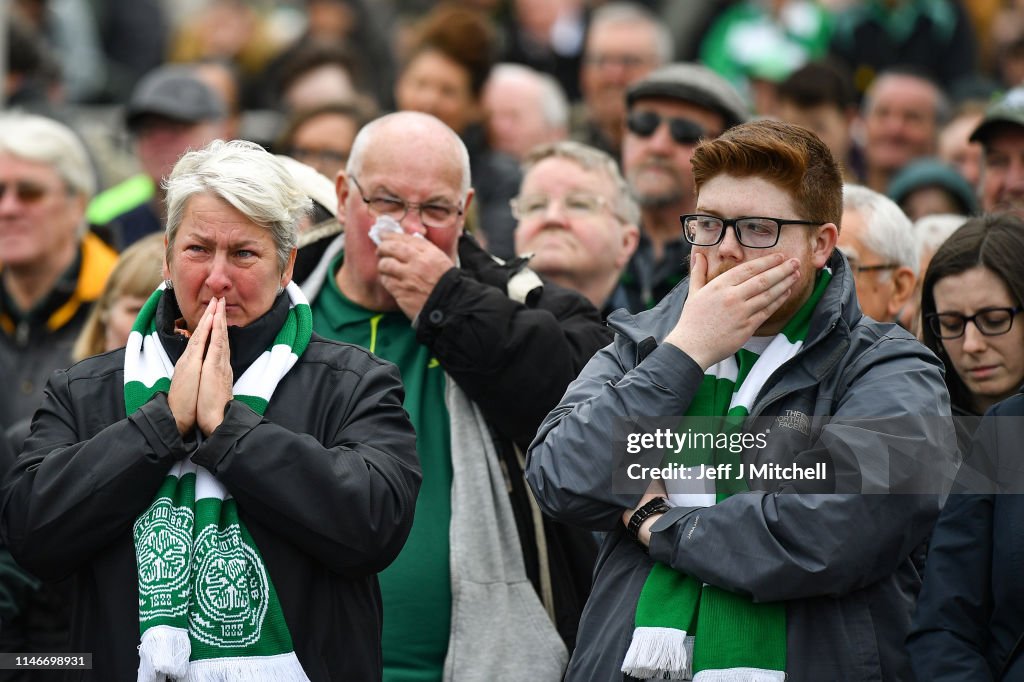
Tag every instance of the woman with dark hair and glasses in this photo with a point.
(969, 623)
(970, 301)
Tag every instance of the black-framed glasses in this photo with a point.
(755, 232)
(989, 321)
(432, 214)
(874, 267)
(682, 130)
(27, 192)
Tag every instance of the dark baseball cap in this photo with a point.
(1007, 110)
(176, 93)
(695, 84)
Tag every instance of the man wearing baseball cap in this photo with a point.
(1001, 134)
(668, 111)
(170, 110)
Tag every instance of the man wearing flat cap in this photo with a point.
(1001, 134)
(170, 111)
(668, 112)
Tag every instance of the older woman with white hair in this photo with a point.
(229, 484)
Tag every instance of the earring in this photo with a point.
(168, 284)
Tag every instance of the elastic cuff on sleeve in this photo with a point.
(239, 419)
(156, 422)
(662, 544)
(668, 366)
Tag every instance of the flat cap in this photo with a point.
(176, 93)
(695, 84)
(1009, 109)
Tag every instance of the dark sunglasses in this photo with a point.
(27, 192)
(683, 130)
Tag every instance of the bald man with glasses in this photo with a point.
(485, 348)
(669, 112)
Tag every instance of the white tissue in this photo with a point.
(384, 225)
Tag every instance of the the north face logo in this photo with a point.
(793, 419)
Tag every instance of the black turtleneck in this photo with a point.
(246, 343)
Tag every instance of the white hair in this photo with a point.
(932, 230)
(553, 102)
(43, 140)
(590, 159)
(415, 119)
(630, 13)
(888, 231)
(249, 178)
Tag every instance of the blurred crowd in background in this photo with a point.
(271, 62)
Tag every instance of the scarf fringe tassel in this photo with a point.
(659, 653)
(164, 654)
(161, 661)
(281, 668)
(740, 675)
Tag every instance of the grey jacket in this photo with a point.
(844, 563)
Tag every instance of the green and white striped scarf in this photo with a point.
(207, 607)
(686, 629)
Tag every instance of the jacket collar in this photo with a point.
(81, 283)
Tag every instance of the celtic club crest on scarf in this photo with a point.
(163, 537)
(232, 590)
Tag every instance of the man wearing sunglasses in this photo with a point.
(51, 269)
(720, 571)
(669, 111)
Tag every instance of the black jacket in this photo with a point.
(34, 345)
(969, 623)
(326, 483)
(497, 348)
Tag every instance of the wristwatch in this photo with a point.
(658, 505)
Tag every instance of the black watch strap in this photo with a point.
(658, 505)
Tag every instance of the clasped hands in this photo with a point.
(202, 384)
(409, 269)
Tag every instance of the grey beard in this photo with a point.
(657, 201)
